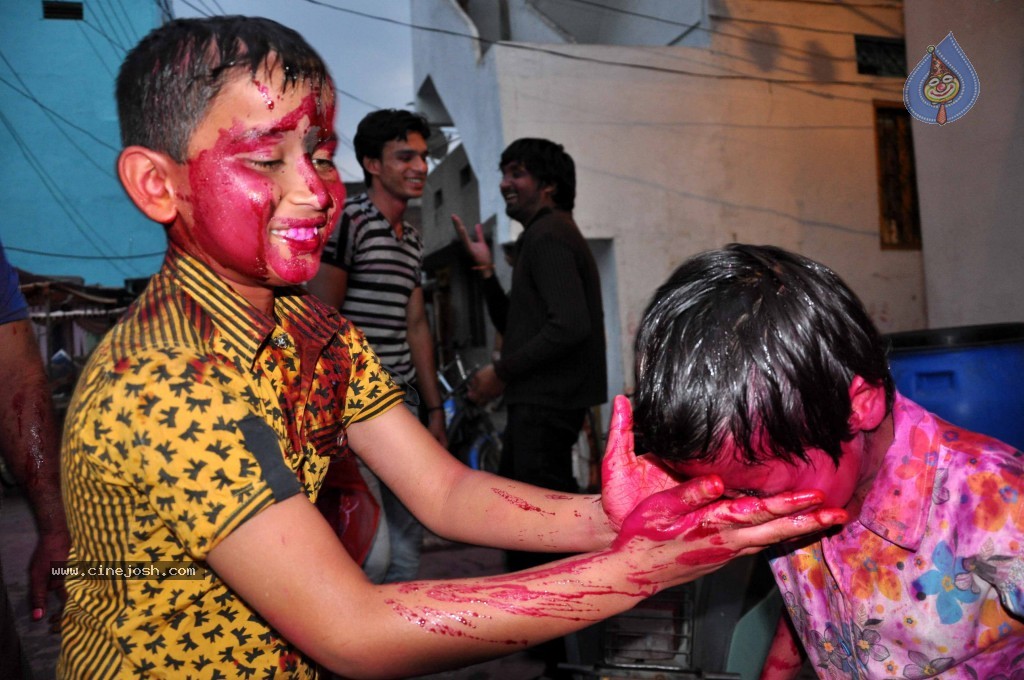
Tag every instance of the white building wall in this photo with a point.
(971, 172)
(693, 148)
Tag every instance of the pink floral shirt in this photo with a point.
(930, 580)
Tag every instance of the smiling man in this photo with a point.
(371, 273)
(552, 364)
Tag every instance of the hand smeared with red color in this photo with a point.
(627, 479)
(676, 536)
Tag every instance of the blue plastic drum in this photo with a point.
(972, 376)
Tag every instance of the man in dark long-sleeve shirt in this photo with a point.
(552, 365)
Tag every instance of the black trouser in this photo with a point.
(538, 450)
(13, 664)
(538, 445)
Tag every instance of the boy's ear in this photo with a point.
(372, 165)
(149, 178)
(867, 405)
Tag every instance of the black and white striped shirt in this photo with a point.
(382, 273)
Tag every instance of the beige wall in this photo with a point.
(706, 146)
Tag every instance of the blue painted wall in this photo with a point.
(62, 210)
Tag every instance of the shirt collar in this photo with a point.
(900, 500)
(243, 325)
(374, 213)
(539, 214)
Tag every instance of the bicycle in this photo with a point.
(472, 436)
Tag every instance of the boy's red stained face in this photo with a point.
(775, 476)
(259, 193)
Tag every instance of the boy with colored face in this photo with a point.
(762, 367)
(203, 424)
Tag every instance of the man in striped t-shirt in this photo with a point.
(371, 272)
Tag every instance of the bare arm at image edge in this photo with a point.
(31, 446)
(286, 563)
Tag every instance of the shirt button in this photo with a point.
(281, 341)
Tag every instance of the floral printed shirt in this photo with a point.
(929, 581)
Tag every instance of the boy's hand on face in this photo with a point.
(627, 479)
(675, 536)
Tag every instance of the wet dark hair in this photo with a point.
(378, 128)
(754, 346)
(548, 163)
(168, 80)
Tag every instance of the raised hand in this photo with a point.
(627, 479)
(478, 249)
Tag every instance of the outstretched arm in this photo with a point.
(31, 446)
(287, 564)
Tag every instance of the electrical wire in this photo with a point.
(353, 97)
(626, 12)
(99, 57)
(796, 27)
(132, 31)
(201, 12)
(109, 27)
(48, 110)
(113, 43)
(80, 223)
(212, 12)
(41, 253)
(52, 118)
(116, 25)
(604, 62)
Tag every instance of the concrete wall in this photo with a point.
(627, 22)
(457, 198)
(59, 141)
(767, 137)
(971, 172)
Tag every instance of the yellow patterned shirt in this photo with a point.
(195, 413)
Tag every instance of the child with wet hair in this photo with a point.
(762, 367)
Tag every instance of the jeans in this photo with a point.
(395, 553)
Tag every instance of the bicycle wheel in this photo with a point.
(485, 454)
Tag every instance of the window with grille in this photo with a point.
(877, 56)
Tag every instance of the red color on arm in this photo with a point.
(785, 657)
(30, 443)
